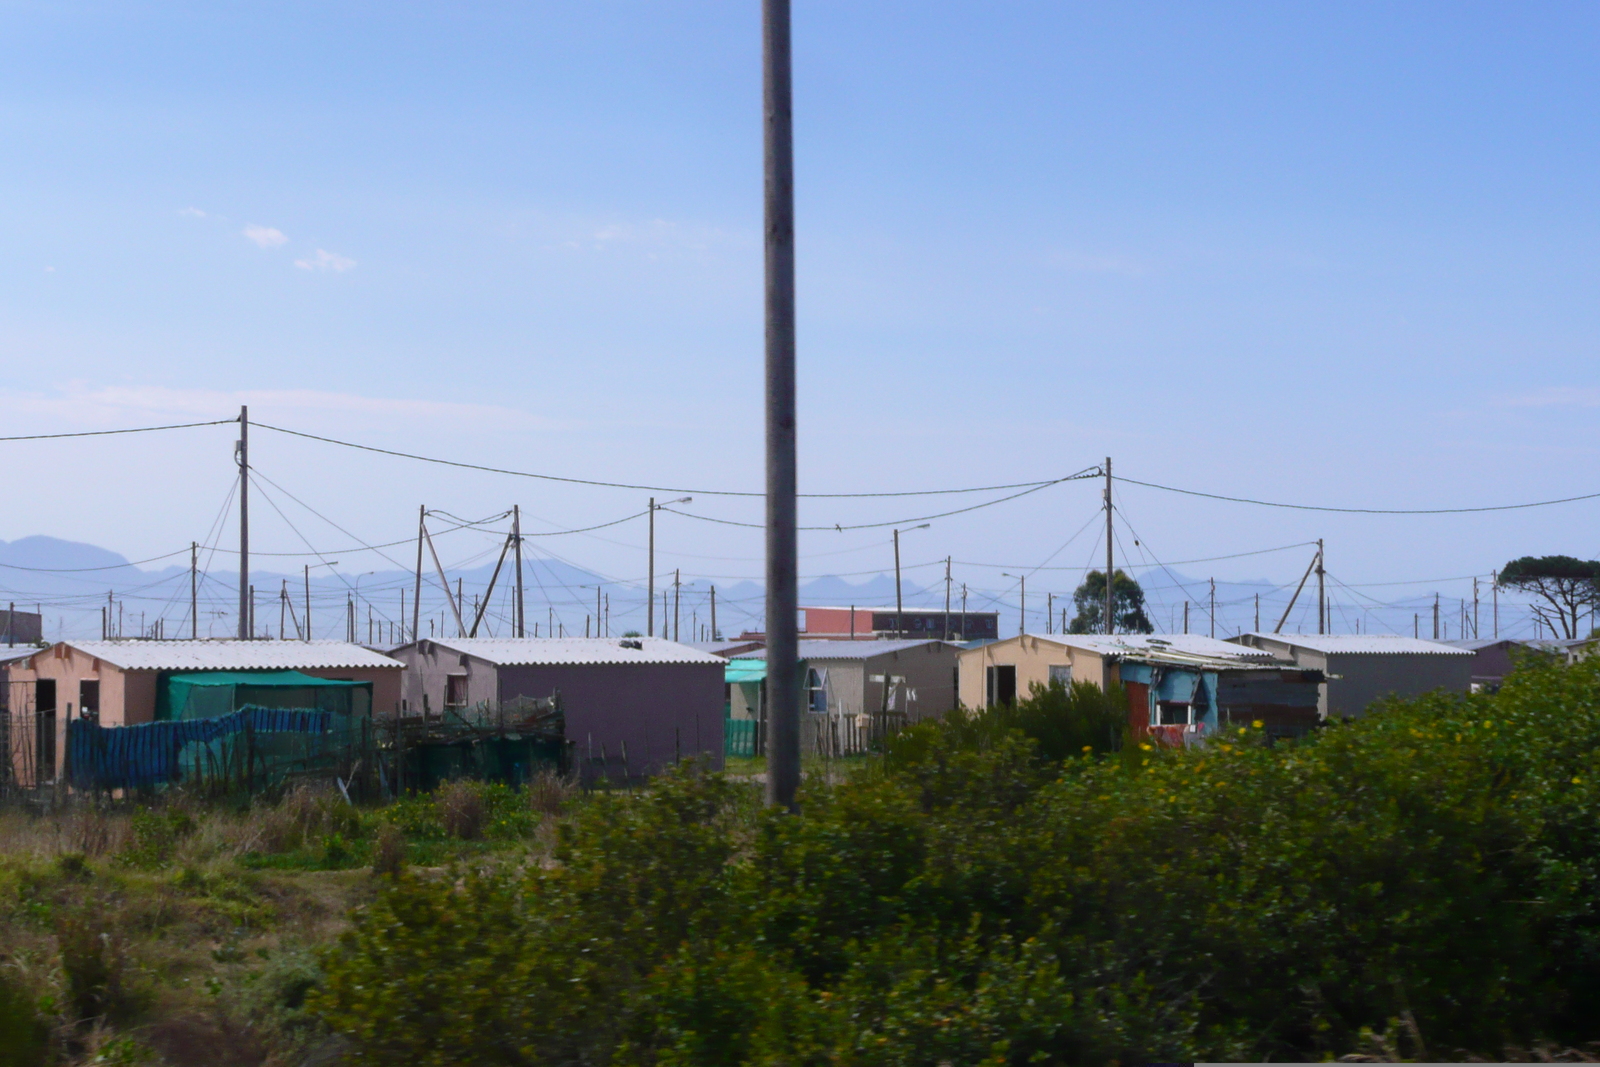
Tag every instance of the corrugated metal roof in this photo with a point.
(846, 649)
(11, 653)
(723, 648)
(1477, 644)
(552, 651)
(1128, 644)
(232, 655)
(1364, 644)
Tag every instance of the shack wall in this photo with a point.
(658, 710)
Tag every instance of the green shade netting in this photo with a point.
(209, 694)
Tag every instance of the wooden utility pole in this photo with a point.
(1436, 616)
(1322, 595)
(1494, 589)
(899, 608)
(946, 630)
(516, 532)
(783, 601)
(416, 595)
(244, 521)
(1213, 607)
(1049, 612)
(1185, 616)
(677, 586)
(194, 591)
(1258, 613)
(650, 591)
(308, 601)
(714, 635)
(1110, 618)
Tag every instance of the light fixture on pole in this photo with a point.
(899, 607)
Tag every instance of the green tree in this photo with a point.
(1568, 587)
(1127, 605)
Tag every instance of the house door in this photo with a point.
(1001, 684)
(44, 731)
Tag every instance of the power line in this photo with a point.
(1358, 511)
(103, 433)
(647, 488)
(1036, 487)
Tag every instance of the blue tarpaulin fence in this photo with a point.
(153, 753)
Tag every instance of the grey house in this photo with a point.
(1494, 658)
(1362, 668)
(633, 705)
(848, 682)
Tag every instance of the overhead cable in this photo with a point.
(651, 488)
(840, 528)
(1358, 511)
(102, 433)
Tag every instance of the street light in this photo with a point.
(899, 619)
(1022, 613)
(650, 599)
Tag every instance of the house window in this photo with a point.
(1061, 672)
(1001, 684)
(89, 696)
(817, 691)
(455, 691)
(1173, 713)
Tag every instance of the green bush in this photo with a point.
(994, 894)
(24, 1037)
(154, 837)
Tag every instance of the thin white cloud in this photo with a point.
(1571, 396)
(265, 236)
(192, 212)
(326, 260)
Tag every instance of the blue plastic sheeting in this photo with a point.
(1184, 685)
(132, 757)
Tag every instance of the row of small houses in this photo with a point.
(632, 706)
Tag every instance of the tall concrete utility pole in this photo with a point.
(677, 587)
(1110, 618)
(714, 635)
(1322, 595)
(1213, 607)
(783, 594)
(194, 591)
(1436, 616)
(244, 522)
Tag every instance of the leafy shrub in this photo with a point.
(154, 837)
(994, 895)
(24, 1037)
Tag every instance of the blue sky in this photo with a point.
(1335, 253)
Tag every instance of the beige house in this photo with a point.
(1003, 671)
(1179, 687)
(119, 682)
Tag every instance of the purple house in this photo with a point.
(633, 705)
